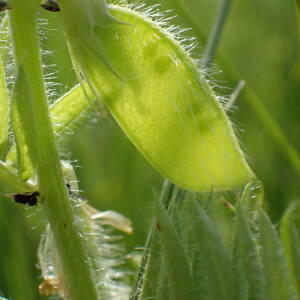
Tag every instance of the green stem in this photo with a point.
(10, 180)
(165, 197)
(216, 33)
(76, 273)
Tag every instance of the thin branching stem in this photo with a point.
(216, 33)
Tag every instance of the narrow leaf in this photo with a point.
(153, 269)
(212, 270)
(10, 182)
(4, 40)
(289, 232)
(175, 261)
(277, 277)
(22, 125)
(163, 287)
(64, 111)
(69, 107)
(4, 112)
(241, 282)
(250, 258)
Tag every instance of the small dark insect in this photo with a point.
(27, 198)
(51, 6)
(69, 188)
(4, 6)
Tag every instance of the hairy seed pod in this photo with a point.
(157, 94)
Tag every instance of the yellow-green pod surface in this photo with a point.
(154, 90)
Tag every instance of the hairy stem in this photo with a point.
(42, 148)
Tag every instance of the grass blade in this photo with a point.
(248, 249)
(212, 271)
(4, 112)
(175, 261)
(153, 269)
(241, 282)
(278, 279)
(21, 124)
(289, 232)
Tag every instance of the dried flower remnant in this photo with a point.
(110, 218)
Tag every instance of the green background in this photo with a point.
(260, 45)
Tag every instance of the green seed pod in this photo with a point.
(157, 94)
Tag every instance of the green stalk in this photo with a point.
(12, 182)
(216, 33)
(76, 273)
(165, 197)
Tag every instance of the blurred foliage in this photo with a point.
(260, 45)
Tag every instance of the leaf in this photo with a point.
(151, 281)
(175, 263)
(160, 99)
(64, 111)
(278, 281)
(21, 125)
(212, 271)
(289, 232)
(69, 107)
(10, 182)
(162, 288)
(5, 40)
(4, 112)
(4, 103)
(250, 259)
(241, 282)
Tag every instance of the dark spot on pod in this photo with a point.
(4, 6)
(27, 198)
(51, 5)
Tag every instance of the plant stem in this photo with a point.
(13, 182)
(216, 33)
(164, 198)
(76, 273)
